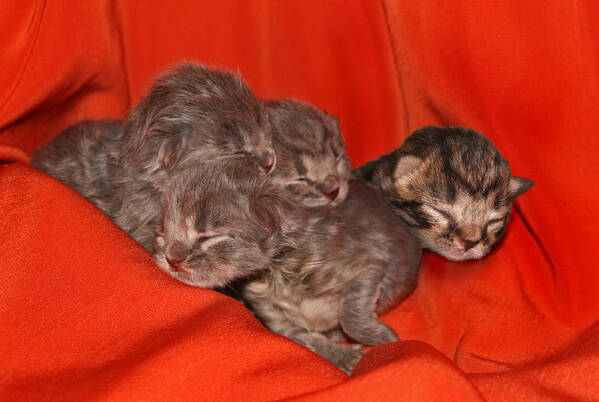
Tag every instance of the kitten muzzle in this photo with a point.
(330, 187)
(471, 236)
(175, 263)
(468, 244)
(267, 161)
(176, 255)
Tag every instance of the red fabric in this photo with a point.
(85, 313)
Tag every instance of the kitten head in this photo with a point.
(311, 163)
(218, 225)
(453, 189)
(196, 113)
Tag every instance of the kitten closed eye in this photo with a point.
(495, 226)
(493, 221)
(445, 214)
(207, 242)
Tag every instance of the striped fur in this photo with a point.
(451, 187)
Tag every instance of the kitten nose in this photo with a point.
(175, 263)
(268, 162)
(175, 255)
(471, 236)
(468, 244)
(331, 187)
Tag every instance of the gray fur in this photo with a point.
(191, 114)
(311, 270)
(451, 187)
(341, 267)
(312, 166)
(216, 226)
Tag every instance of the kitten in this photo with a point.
(341, 267)
(308, 273)
(195, 113)
(312, 166)
(79, 157)
(451, 187)
(216, 226)
(191, 114)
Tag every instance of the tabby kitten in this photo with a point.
(311, 162)
(216, 226)
(191, 114)
(451, 187)
(339, 268)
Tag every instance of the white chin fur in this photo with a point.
(187, 277)
(458, 255)
(453, 253)
(192, 280)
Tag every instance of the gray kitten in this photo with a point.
(451, 187)
(312, 166)
(216, 226)
(195, 113)
(191, 114)
(309, 273)
(340, 268)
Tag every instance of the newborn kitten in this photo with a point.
(311, 273)
(195, 113)
(216, 226)
(451, 187)
(312, 166)
(191, 114)
(340, 268)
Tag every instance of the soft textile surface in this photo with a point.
(84, 312)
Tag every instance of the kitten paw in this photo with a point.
(372, 333)
(386, 335)
(346, 357)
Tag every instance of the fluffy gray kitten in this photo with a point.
(308, 273)
(312, 166)
(451, 187)
(341, 267)
(216, 224)
(191, 114)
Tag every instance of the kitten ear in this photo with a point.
(338, 145)
(333, 119)
(519, 185)
(334, 131)
(170, 152)
(137, 125)
(406, 165)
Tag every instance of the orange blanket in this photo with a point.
(85, 314)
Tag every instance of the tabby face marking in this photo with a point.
(451, 187)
